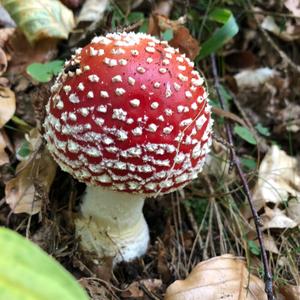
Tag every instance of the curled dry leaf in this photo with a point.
(290, 292)
(4, 159)
(40, 19)
(7, 105)
(254, 78)
(25, 193)
(278, 181)
(222, 277)
(92, 10)
(290, 34)
(182, 38)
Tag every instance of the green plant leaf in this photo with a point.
(249, 163)
(28, 273)
(245, 134)
(40, 19)
(44, 72)
(254, 249)
(135, 16)
(222, 35)
(263, 130)
(168, 34)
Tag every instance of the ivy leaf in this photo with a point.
(40, 19)
(26, 272)
(44, 72)
(222, 35)
(245, 134)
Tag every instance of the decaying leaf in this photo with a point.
(23, 56)
(293, 6)
(276, 218)
(92, 10)
(25, 193)
(40, 19)
(254, 78)
(182, 38)
(3, 144)
(136, 290)
(278, 179)
(291, 33)
(7, 105)
(290, 292)
(222, 277)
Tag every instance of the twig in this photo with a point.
(236, 161)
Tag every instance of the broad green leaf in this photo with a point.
(263, 130)
(245, 134)
(44, 72)
(28, 273)
(40, 19)
(222, 35)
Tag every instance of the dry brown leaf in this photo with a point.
(7, 105)
(92, 10)
(5, 34)
(185, 42)
(254, 78)
(290, 292)
(23, 56)
(4, 159)
(291, 33)
(182, 38)
(25, 193)
(136, 289)
(222, 277)
(276, 218)
(278, 180)
(293, 6)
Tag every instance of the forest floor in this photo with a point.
(259, 83)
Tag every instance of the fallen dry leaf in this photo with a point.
(182, 38)
(290, 292)
(291, 33)
(3, 62)
(293, 6)
(23, 56)
(276, 218)
(222, 277)
(92, 10)
(7, 105)
(278, 179)
(25, 193)
(254, 78)
(4, 159)
(41, 19)
(136, 290)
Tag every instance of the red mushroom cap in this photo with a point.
(130, 113)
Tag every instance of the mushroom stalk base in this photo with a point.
(112, 224)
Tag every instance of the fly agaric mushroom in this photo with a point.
(128, 116)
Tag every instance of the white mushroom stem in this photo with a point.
(112, 224)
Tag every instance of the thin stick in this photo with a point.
(237, 164)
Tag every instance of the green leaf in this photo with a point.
(44, 72)
(245, 134)
(222, 35)
(263, 130)
(249, 163)
(135, 17)
(28, 273)
(254, 249)
(168, 34)
(24, 150)
(40, 19)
